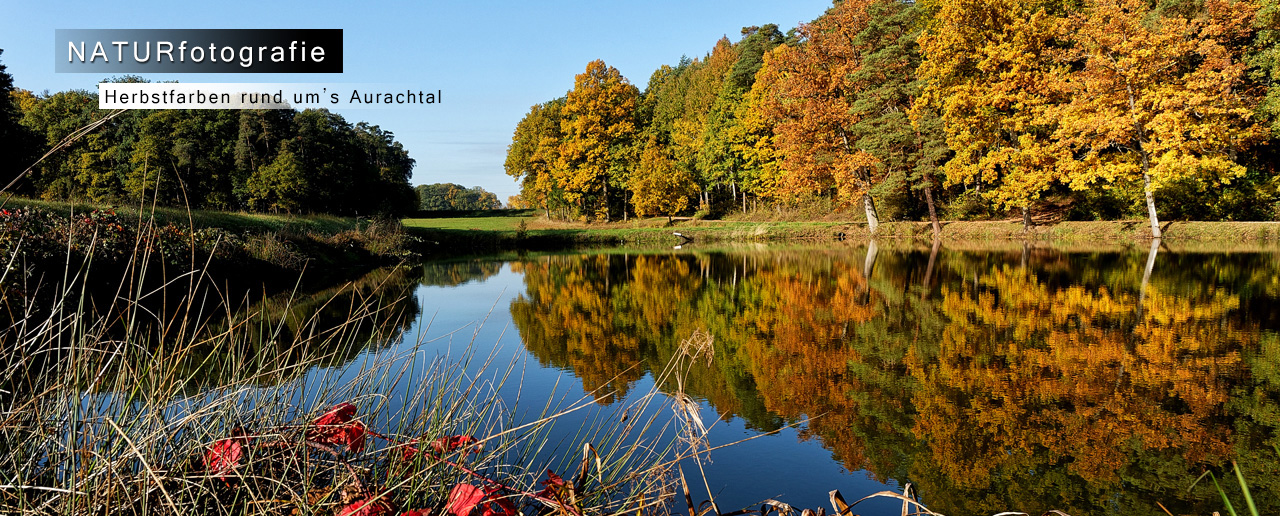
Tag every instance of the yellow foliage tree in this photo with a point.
(597, 124)
(658, 186)
(1159, 96)
(993, 75)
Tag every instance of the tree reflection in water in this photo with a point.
(1028, 379)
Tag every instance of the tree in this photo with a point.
(908, 153)
(722, 156)
(813, 106)
(279, 186)
(660, 186)
(1159, 96)
(993, 77)
(533, 155)
(17, 154)
(597, 126)
(1265, 61)
(450, 196)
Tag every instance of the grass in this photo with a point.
(228, 220)
(503, 230)
(97, 420)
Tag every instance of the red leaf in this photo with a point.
(409, 451)
(463, 498)
(553, 487)
(340, 414)
(366, 508)
(445, 445)
(354, 436)
(336, 427)
(417, 512)
(503, 504)
(225, 454)
(452, 443)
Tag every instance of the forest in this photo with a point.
(956, 109)
(279, 161)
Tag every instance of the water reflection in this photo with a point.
(1028, 379)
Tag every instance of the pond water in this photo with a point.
(1022, 378)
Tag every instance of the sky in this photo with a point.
(491, 60)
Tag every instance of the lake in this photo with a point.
(1007, 378)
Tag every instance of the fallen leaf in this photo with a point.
(463, 498)
(336, 427)
(225, 454)
(364, 507)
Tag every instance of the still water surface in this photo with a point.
(1023, 378)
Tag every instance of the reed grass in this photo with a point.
(97, 417)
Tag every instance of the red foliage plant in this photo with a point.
(226, 454)
(336, 427)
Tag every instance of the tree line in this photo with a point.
(286, 161)
(933, 108)
(452, 196)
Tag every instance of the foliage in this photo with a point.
(449, 196)
(277, 160)
(660, 186)
(598, 124)
(1160, 96)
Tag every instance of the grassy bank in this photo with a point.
(526, 229)
(258, 245)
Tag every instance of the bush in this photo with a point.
(970, 205)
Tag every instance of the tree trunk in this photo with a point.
(933, 213)
(1026, 219)
(928, 271)
(1151, 200)
(606, 200)
(870, 205)
(1146, 274)
(870, 262)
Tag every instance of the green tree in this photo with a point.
(281, 185)
(17, 152)
(723, 156)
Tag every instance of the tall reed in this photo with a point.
(98, 414)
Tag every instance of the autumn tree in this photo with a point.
(1160, 96)
(597, 125)
(660, 186)
(533, 154)
(813, 104)
(726, 154)
(993, 77)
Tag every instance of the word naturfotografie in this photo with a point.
(297, 52)
(198, 50)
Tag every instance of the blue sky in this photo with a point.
(492, 60)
